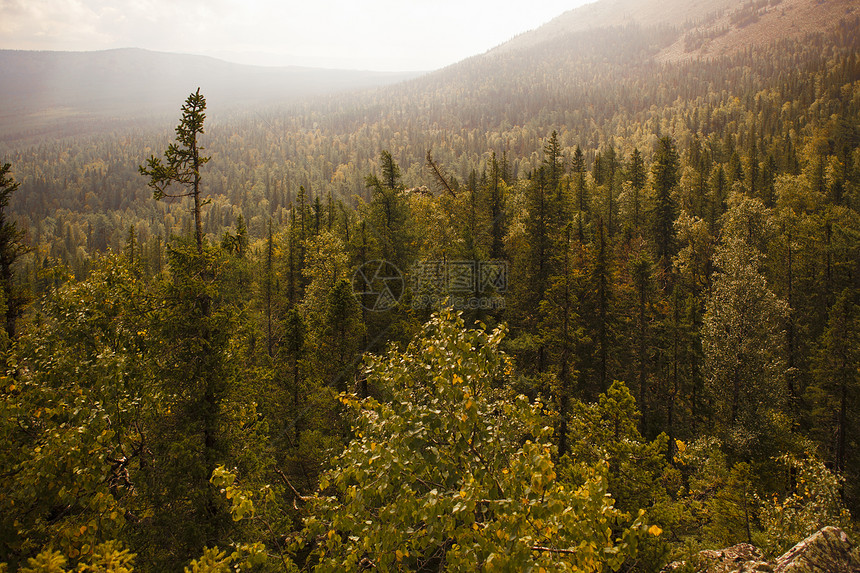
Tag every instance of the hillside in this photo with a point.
(646, 241)
(44, 91)
(69, 93)
(705, 28)
(756, 24)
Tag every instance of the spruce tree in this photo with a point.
(637, 181)
(182, 162)
(11, 249)
(665, 177)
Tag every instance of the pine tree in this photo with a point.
(553, 161)
(496, 188)
(836, 392)
(389, 212)
(582, 201)
(640, 271)
(637, 178)
(182, 162)
(12, 248)
(743, 339)
(665, 177)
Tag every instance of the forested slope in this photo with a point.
(673, 321)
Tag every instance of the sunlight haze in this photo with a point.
(376, 35)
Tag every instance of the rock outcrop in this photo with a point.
(826, 551)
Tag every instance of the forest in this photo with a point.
(593, 313)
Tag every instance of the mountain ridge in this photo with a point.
(706, 28)
(57, 93)
(132, 83)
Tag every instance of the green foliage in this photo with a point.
(665, 177)
(717, 503)
(816, 502)
(448, 473)
(835, 391)
(12, 247)
(389, 213)
(212, 561)
(46, 562)
(244, 557)
(743, 339)
(639, 475)
(107, 557)
(716, 272)
(75, 405)
(182, 161)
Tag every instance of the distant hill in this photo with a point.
(560, 65)
(44, 90)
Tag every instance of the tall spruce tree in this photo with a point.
(11, 248)
(665, 177)
(182, 162)
(637, 178)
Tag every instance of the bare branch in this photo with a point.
(437, 172)
(286, 480)
(552, 550)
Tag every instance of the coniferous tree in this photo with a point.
(12, 248)
(182, 162)
(836, 391)
(640, 271)
(553, 161)
(638, 179)
(665, 177)
(390, 212)
(743, 343)
(496, 187)
(581, 190)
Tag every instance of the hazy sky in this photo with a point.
(364, 34)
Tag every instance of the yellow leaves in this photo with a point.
(680, 448)
(457, 380)
(655, 530)
(400, 555)
(463, 494)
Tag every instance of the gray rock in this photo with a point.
(826, 551)
(740, 558)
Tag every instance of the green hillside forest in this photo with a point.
(557, 308)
